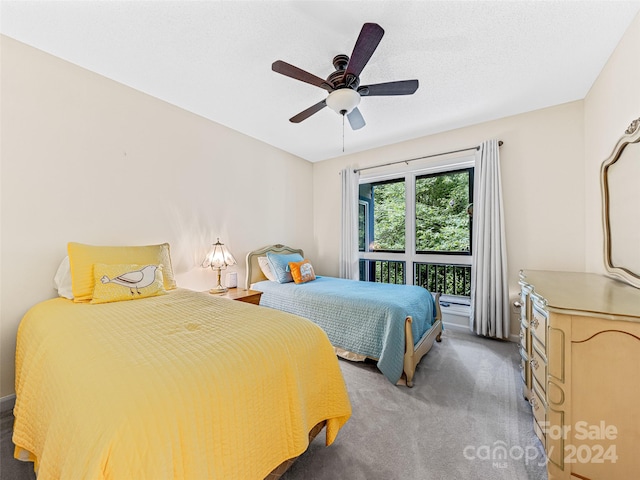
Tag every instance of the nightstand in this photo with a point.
(242, 295)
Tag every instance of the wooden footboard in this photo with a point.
(413, 354)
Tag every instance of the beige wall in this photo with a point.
(542, 179)
(612, 103)
(87, 159)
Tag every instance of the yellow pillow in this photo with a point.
(82, 258)
(302, 272)
(114, 283)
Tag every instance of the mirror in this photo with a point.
(620, 177)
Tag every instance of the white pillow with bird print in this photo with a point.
(115, 283)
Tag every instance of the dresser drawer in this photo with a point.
(539, 369)
(523, 336)
(524, 364)
(539, 409)
(539, 326)
(523, 306)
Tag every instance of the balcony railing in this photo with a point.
(447, 279)
(382, 271)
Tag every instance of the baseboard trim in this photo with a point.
(514, 338)
(465, 328)
(7, 403)
(456, 326)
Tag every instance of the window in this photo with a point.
(415, 228)
(386, 222)
(443, 212)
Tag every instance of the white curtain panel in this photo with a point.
(489, 284)
(349, 225)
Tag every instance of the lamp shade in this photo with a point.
(218, 257)
(343, 100)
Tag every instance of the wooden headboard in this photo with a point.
(254, 274)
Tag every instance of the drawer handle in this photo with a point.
(534, 404)
(534, 363)
(534, 323)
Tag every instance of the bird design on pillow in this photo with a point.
(134, 280)
(306, 270)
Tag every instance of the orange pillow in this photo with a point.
(302, 272)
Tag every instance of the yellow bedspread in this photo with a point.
(180, 386)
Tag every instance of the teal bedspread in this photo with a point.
(361, 317)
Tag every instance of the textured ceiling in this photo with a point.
(475, 61)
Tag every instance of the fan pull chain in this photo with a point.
(343, 133)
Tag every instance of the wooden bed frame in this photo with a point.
(412, 355)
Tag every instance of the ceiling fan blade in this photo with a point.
(356, 120)
(289, 70)
(402, 87)
(308, 112)
(367, 42)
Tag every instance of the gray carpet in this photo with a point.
(465, 405)
(11, 469)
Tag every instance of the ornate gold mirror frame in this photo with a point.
(621, 207)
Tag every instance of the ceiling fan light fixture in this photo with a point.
(343, 85)
(343, 100)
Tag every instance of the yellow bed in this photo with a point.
(182, 386)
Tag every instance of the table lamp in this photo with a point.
(218, 258)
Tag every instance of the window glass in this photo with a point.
(443, 212)
(387, 216)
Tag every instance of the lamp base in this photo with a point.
(218, 290)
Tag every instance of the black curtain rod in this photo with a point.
(477, 147)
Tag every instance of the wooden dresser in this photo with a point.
(580, 348)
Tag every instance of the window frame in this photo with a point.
(410, 256)
(364, 203)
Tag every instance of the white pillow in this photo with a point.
(266, 268)
(62, 279)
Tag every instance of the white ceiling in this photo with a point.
(475, 61)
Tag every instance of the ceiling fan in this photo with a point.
(343, 85)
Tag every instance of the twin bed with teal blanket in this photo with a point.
(395, 325)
